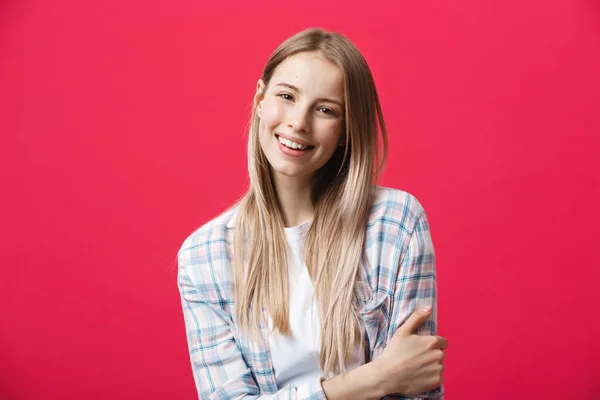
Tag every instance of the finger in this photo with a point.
(414, 321)
(442, 343)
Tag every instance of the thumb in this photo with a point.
(414, 321)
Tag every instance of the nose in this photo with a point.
(299, 119)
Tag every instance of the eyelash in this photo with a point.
(330, 112)
(285, 94)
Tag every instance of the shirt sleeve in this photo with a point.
(218, 366)
(416, 287)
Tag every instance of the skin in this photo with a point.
(304, 103)
(410, 364)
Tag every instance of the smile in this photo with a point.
(292, 148)
(292, 145)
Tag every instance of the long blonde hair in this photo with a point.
(342, 196)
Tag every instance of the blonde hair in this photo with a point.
(342, 196)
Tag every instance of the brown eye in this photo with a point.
(285, 96)
(326, 111)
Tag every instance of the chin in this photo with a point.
(289, 172)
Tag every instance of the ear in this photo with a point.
(342, 141)
(259, 96)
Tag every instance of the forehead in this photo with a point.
(312, 74)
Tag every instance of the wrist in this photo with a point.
(376, 374)
(387, 381)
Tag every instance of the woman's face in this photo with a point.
(301, 114)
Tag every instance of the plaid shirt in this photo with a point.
(228, 365)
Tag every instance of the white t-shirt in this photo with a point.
(296, 357)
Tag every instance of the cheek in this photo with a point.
(334, 133)
(271, 114)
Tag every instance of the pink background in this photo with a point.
(122, 130)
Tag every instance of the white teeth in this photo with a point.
(290, 144)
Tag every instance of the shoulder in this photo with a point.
(393, 218)
(395, 208)
(204, 258)
(213, 232)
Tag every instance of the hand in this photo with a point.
(412, 363)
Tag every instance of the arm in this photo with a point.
(416, 287)
(218, 366)
(362, 383)
(220, 371)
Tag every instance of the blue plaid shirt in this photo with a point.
(228, 365)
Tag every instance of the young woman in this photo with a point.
(318, 283)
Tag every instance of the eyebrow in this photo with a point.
(287, 85)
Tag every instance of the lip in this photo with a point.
(302, 142)
(292, 152)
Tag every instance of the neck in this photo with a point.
(295, 199)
